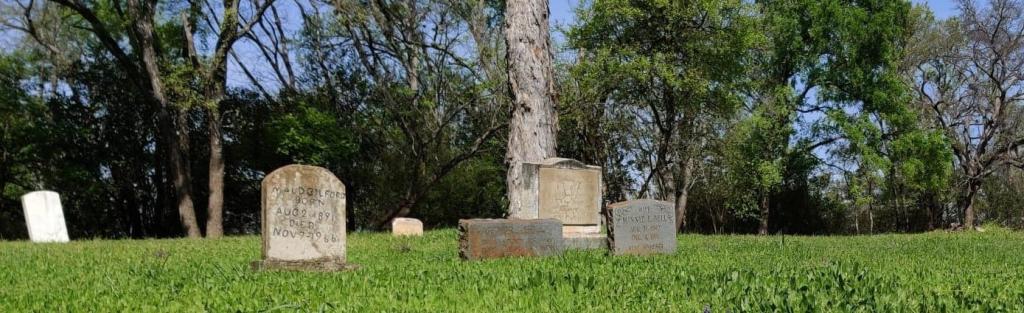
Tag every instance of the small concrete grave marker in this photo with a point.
(498, 238)
(642, 227)
(44, 217)
(303, 220)
(569, 191)
(403, 226)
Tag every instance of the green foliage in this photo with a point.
(1002, 203)
(757, 146)
(925, 161)
(653, 81)
(890, 273)
(22, 125)
(312, 135)
(689, 53)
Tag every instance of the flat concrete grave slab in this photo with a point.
(498, 238)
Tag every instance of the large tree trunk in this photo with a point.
(215, 93)
(534, 122)
(173, 121)
(215, 202)
(182, 174)
(972, 191)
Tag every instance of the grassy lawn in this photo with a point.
(935, 272)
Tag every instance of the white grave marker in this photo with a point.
(44, 217)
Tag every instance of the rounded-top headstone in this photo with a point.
(44, 217)
(303, 219)
(403, 226)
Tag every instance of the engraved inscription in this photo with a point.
(303, 215)
(642, 227)
(570, 195)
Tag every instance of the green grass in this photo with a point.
(935, 272)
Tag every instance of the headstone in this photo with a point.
(569, 191)
(498, 238)
(303, 220)
(44, 217)
(642, 227)
(403, 226)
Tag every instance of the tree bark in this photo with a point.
(215, 201)
(182, 174)
(972, 192)
(534, 122)
(763, 230)
(856, 221)
(683, 194)
(871, 218)
(215, 92)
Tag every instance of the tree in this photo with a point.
(152, 67)
(971, 84)
(143, 70)
(432, 104)
(758, 147)
(533, 127)
(836, 63)
(212, 76)
(21, 121)
(672, 70)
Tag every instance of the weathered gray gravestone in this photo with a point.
(403, 226)
(44, 217)
(569, 191)
(498, 238)
(641, 227)
(303, 220)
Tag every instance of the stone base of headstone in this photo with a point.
(584, 237)
(306, 266)
(584, 241)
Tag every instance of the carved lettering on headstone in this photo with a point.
(642, 227)
(303, 220)
(570, 195)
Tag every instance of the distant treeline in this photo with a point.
(160, 118)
